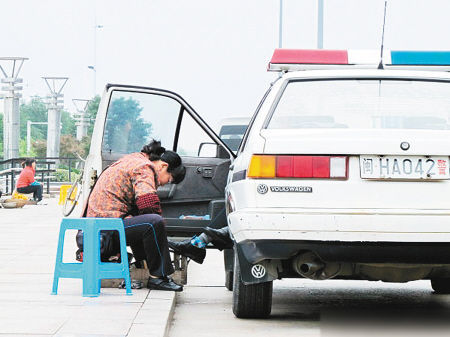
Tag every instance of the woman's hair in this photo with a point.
(28, 162)
(155, 151)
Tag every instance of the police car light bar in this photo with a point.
(431, 58)
(307, 59)
(304, 56)
(303, 59)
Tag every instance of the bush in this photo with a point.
(62, 175)
(65, 167)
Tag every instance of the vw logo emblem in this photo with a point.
(404, 146)
(262, 188)
(258, 271)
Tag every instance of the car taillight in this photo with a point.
(262, 167)
(269, 166)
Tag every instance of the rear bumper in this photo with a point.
(256, 251)
(341, 225)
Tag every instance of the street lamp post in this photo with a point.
(94, 66)
(320, 24)
(55, 105)
(280, 28)
(95, 79)
(82, 121)
(11, 121)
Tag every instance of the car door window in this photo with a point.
(193, 138)
(135, 118)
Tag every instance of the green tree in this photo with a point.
(34, 111)
(69, 146)
(85, 145)
(23, 149)
(91, 113)
(39, 147)
(125, 130)
(68, 124)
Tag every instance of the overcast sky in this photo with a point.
(213, 53)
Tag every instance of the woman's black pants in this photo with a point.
(146, 235)
(35, 189)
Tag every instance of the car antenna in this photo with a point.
(380, 66)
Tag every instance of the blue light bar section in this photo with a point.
(431, 58)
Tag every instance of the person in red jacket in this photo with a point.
(26, 182)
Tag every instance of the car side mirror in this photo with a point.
(212, 150)
(208, 150)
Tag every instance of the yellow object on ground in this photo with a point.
(63, 193)
(19, 196)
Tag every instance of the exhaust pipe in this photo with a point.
(309, 265)
(310, 268)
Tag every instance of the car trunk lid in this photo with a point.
(356, 193)
(356, 141)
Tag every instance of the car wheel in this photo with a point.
(253, 300)
(229, 280)
(441, 285)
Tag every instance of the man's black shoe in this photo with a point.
(164, 283)
(220, 238)
(186, 248)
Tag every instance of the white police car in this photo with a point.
(343, 172)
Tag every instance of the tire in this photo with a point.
(71, 201)
(441, 285)
(253, 300)
(229, 280)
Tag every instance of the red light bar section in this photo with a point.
(305, 56)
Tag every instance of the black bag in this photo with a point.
(109, 244)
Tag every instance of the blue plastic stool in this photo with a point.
(92, 270)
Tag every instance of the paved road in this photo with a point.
(311, 308)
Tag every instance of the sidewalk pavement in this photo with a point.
(27, 257)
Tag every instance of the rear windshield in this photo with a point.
(363, 104)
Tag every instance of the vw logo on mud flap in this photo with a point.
(262, 188)
(258, 271)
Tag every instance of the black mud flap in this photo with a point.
(228, 256)
(263, 271)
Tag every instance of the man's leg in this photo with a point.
(220, 238)
(146, 235)
(195, 248)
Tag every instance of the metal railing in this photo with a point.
(11, 168)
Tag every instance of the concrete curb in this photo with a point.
(170, 315)
(155, 316)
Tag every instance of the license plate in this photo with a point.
(404, 167)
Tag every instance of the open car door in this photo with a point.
(130, 117)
